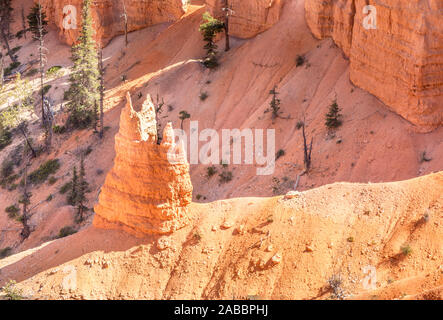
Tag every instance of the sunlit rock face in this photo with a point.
(249, 17)
(400, 61)
(149, 188)
(107, 16)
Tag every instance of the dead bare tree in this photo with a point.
(307, 151)
(26, 231)
(228, 12)
(42, 60)
(158, 110)
(125, 19)
(101, 89)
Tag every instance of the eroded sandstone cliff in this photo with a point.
(149, 188)
(400, 62)
(107, 16)
(248, 18)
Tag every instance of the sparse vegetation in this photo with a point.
(225, 176)
(203, 96)
(34, 20)
(66, 231)
(53, 71)
(333, 117)
(65, 188)
(335, 283)
(12, 211)
(5, 252)
(11, 292)
(300, 60)
(44, 171)
(280, 153)
(209, 29)
(406, 249)
(197, 236)
(210, 171)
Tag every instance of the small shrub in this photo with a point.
(59, 129)
(31, 73)
(49, 198)
(52, 180)
(124, 77)
(5, 252)
(66, 231)
(5, 138)
(300, 60)
(12, 211)
(7, 168)
(203, 96)
(406, 249)
(335, 283)
(11, 292)
(65, 188)
(198, 196)
(210, 171)
(44, 171)
(16, 49)
(53, 71)
(225, 176)
(197, 236)
(299, 125)
(46, 89)
(270, 219)
(12, 67)
(350, 239)
(280, 153)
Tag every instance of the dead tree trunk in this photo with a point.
(102, 89)
(42, 59)
(25, 200)
(307, 151)
(125, 17)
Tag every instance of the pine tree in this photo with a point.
(84, 79)
(333, 117)
(5, 25)
(275, 103)
(72, 195)
(82, 190)
(34, 19)
(209, 29)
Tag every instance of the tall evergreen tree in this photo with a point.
(34, 20)
(84, 79)
(5, 25)
(209, 29)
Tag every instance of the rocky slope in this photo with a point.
(385, 241)
(107, 16)
(400, 62)
(149, 188)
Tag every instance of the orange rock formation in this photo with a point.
(107, 16)
(400, 62)
(249, 18)
(149, 188)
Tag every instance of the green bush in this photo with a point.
(5, 138)
(5, 252)
(203, 96)
(280, 153)
(52, 180)
(53, 71)
(66, 231)
(300, 60)
(225, 176)
(12, 211)
(11, 292)
(44, 171)
(31, 72)
(66, 187)
(7, 168)
(59, 129)
(12, 66)
(406, 249)
(46, 89)
(210, 171)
